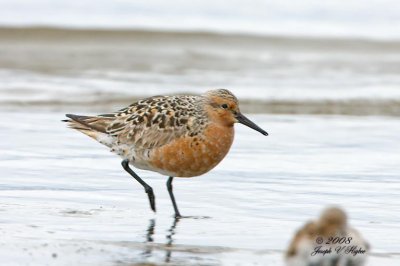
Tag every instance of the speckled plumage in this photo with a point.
(155, 121)
(139, 130)
(178, 136)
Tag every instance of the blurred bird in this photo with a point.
(315, 237)
(177, 136)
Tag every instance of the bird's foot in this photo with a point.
(152, 198)
(190, 217)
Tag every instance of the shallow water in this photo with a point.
(368, 19)
(64, 199)
(57, 68)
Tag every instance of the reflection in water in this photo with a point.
(170, 240)
(150, 239)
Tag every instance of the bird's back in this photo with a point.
(145, 124)
(160, 133)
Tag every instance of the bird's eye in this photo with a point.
(225, 106)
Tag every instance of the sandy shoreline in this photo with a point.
(98, 70)
(348, 107)
(40, 34)
(66, 200)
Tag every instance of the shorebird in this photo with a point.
(176, 136)
(329, 232)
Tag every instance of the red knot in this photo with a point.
(328, 241)
(176, 136)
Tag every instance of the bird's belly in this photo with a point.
(193, 156)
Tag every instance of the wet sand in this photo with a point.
(321, 107)
(88, 69)
(64, 199)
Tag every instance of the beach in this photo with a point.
(78, 69)
(323, 79)
(66, 200)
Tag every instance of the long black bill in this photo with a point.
(245, 121)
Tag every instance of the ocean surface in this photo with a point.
(65, 199)
(96, 69)
(322, 77)
(377, 19)
(308, 57)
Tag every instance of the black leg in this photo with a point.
(147, 188)
(171, 194)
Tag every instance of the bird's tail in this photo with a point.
(92, 126)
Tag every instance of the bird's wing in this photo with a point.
(153, 122)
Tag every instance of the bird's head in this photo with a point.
(223, 107)
(332, 221)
